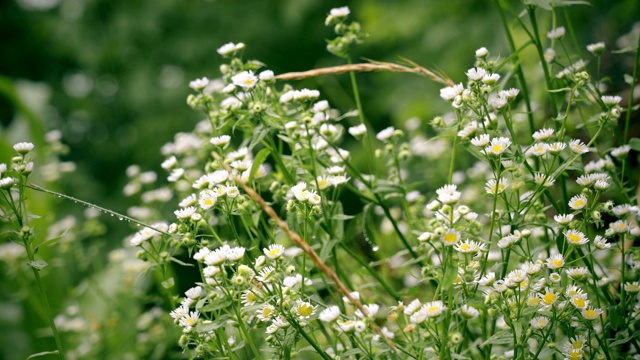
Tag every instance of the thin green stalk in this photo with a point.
(455, 148)
(545, 68)
(520, 74)
(90, 205)
(356, 96)
(43, 297)
(310, 340)
(371, 271)
(623, 265)
(246, 334)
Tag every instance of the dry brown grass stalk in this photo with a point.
(372, 65)
(300, 242)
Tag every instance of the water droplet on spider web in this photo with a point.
(375, 248)
(120, 218)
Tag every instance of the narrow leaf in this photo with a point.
(52, 240)
(180, 262)
(635, 144)
(257, 161)
(44, 353)
(500, 338)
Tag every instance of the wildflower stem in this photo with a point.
(452, 164)
(516, 62)
(90, 205)
(356, 97)
(545, 68)
(246, 334)
(43, 297)
(371, 271)
(310, 340)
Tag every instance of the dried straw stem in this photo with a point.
(300, 242)
(370, 66)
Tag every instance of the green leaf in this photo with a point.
(218, 305)
(550, 4)
(627, 49)
(44, 353)
(450, 274)
(560, 90)
(628, 79)
(214, 325)
(351, 352)
(625, 339)
(502, 337)
(180, 262)
(635, 144)
(238, 346)
(257, 161)
(327, 246)
(342, 217)
(259, 134)
(348, 114)
(616, 316)
(38, 264)
(52, 240)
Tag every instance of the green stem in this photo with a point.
(371, 271)
(456, 140)
(356, 96)
(545, 68)
(246, 334)
(90, 205)
(518, 69)
(43, 297)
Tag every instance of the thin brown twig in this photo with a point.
(300, 242)
(372, 65)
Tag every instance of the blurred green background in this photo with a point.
(113, 76)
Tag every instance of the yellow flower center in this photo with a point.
(274, 252)
(450, 238)
(524, 284)
(578, 203)
(579, 302)
(208, 201)
(590, 314)
(575, 355)
(549, 298)
(267, 312)
(556, 263)
(323, 184)
(534, 301)
(251, 297)
(574, 238)
(497, 148)
(433, 309)
(305, 310)
(465, 247)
